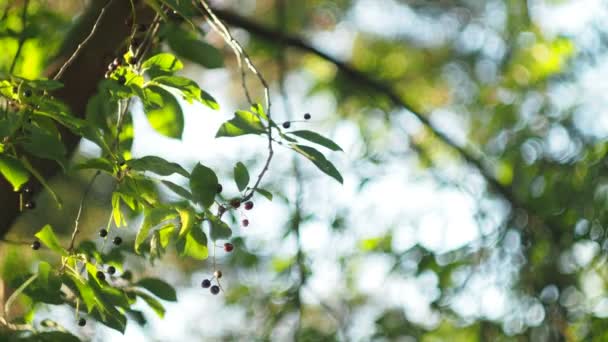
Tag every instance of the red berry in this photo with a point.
(228, 247)
(249, 205)
(245, 222)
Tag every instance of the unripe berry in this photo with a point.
(36, 245)
(249, 205)
(217, 274)
(235, 203)
(228, 247)
(206, 283)
(215, 289)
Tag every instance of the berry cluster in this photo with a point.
(287, 124)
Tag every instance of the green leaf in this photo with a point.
(241, 176)
(158, 288)
(157, 165)
(203, 183)
(243, 123)
(264, 193)
(317, 139)
(189, 46)
(48, 238)
(152, 302)
(152, 218)
(186, 217)
(44, 144)
(178, 189)
(97, 164)
(190, 90)
(14, 171)
(53, 336)
(218, 229)
(194, 244)
(319, 160)
(163, 112)
(164, 62)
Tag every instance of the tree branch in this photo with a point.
(380, 87)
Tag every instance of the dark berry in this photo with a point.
(29, 205)
(117, 240)
(111, 270)
(103, 233)
(111, 67)
(36, 245)
(215, 289)
(228, 247)
(116, 62)
(235, 203)
(219, 188)
(141, 28)
(286, 124)
(15, 90)
(121, 162)
(27, 93)
(248, 205)
(82, 322)
(122, 80)
(221, 210)
(100, 275)
(217, 274)
(127, 275)
(132, 60)
(107, 74)
(27, 190)
(206, 283)
(307, 116)
(245, 222)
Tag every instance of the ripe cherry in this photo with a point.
(103, 233)
(215, 289)
(307, 116)
(111, 270)
(30, 205)
(206, 283)
(36, 245)
(286, 124)
(82, 322)
(228, 247)
(217, 274)
(100, 275)
(245, 222)
(235, 203)
(117, 240)
(248, 205)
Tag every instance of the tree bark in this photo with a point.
(80, 81)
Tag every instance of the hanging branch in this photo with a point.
(22, 37)
(242, 56)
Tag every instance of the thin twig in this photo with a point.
(83, 43)
(80, 207)
(241, 55)
(21, 37)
